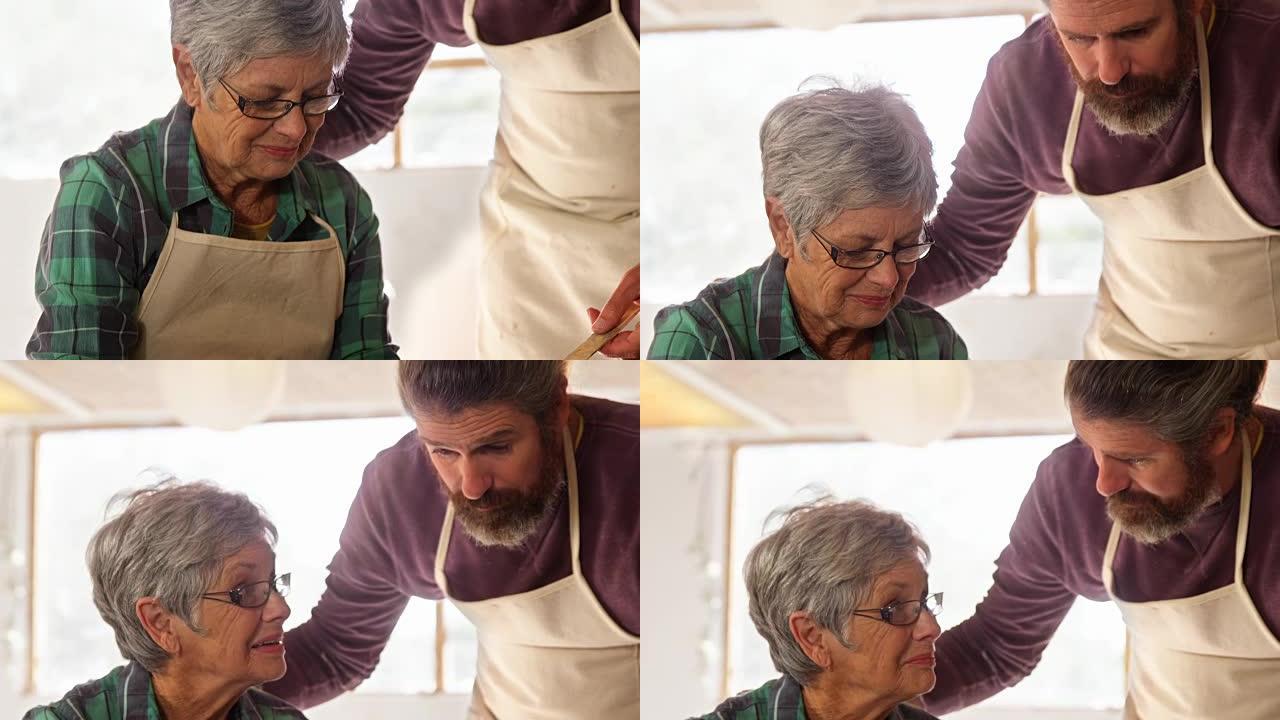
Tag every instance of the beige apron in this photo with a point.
(552, 653)
(561, 210)
(1208, 656)
(1186, 272)
(219, 297)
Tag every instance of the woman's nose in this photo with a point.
(293, 125)
(277, 608)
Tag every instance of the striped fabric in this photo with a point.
(126, 694)
(749, 317)
(783, 699)
(112, 214)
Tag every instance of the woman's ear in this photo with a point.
(159, 623)
(811, 638)
(188, 80)
(783, 240)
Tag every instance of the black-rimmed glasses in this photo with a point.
(904, 613)
(867, 259)
(253, 595)
(277, 108)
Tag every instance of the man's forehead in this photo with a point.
(468, 423)
(1099, 17)
(1113, 435)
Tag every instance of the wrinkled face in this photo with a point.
(890, 660)
(504, 471)
(232, 647)
(249, 148)
(1134, 60)
(858, 299)
(1153, 488)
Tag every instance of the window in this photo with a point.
(306, 494)
(1082, 667)
(78, 71)
(703, 214)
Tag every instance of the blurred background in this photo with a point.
(77, 71)
(952, 446)
(294, 436)
(712, 69)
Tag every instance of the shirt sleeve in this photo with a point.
(338, 647)
(678, 334)
(1002, 642)
(86, 270)
(978, 220)
(361, 332)
(391, 42)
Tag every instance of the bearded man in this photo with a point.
(518, 502)
(1161, 116)
(1165, 504)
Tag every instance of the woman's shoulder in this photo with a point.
(270, 707)
(125, 165)
(90, 700)
(922, 333)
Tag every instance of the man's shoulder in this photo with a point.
(1032, 67)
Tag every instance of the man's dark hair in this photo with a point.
(535, 387)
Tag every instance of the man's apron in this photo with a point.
(552, 653)
(1186, 272)
(561, 209)
(1208, 656)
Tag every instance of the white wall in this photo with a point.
(1043, 327)
(430, 238)
(682, 515)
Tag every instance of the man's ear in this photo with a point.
(563, 406)
(1222, 431)
(783, 239)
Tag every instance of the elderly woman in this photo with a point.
(840, 593)
(848, 181)
(186, 578)
(209, 232)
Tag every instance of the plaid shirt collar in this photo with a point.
(780, 333)
(788, 701)
(138, 698)
(189, 194)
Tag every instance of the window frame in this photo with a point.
(31, 659)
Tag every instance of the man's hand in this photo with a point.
(624, 344)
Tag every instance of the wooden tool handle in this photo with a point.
(592, 345)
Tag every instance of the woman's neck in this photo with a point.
(826, 701)
(181, 699)
(251, 200)
(831, 341)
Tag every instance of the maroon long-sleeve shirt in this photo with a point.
(391, 41)
(388, 549)
(1015, 137)
(1055, 555)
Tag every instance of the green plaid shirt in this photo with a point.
(126, 694)
(782, 699)
(749, 317)
(111, 217)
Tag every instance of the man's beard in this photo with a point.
(515, 514)
(1150, 520)
(1143, 104)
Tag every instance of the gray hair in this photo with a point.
(532, 386)
(837, 148)
(1175, 399)
(823, 560)
(169, 542)
(225, 35)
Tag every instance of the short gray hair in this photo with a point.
(225, 35)
(823, 560)
(838, 148)
(169, 542)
